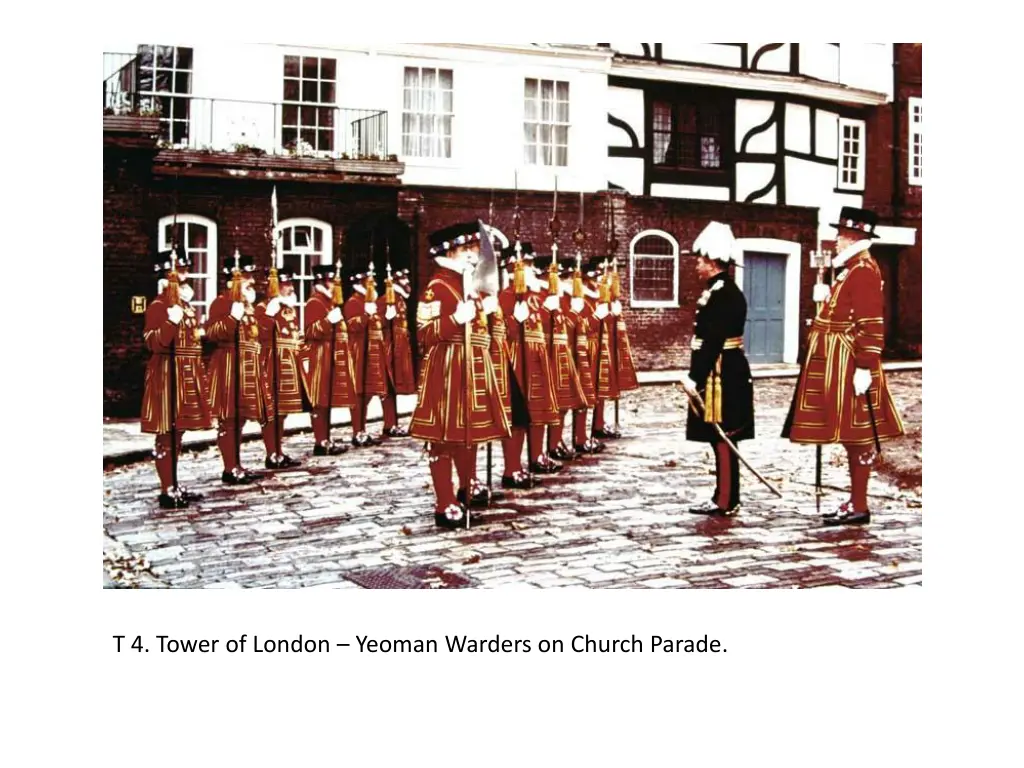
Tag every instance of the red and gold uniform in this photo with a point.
(583, 338)
(452, 414)
(603, 354)
(329, 384)
(226, 372)
(528, 353)
(367, 353)
(178, 341)
(845, 345)
(398, 354)
(280, 343)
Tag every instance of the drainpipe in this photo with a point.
(897, 137)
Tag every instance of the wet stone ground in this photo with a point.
(364, 519)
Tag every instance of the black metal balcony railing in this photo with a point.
(275, 128)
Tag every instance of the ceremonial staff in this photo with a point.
(614, 292)
(172, 301)
(336, 301)
(554, 226)
(519, 287)
(490, 326)
(371, 297)
(389, 301)
(822, 257)
(467, 285)
(273, 291)
(236, 296)
(602, 298)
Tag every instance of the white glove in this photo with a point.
(465, 312)
(552, 303)
(390, 313)
(820, 293)
(334, 316)
(490, 305)
(237, 310)
(174, 314)
(273, 307)
(861, 381)
(616, 307)
(601, 312)
(576, 305)
(521, 312)
(370, 307)
(689, 384)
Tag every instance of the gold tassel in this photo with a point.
(616, 287)
(553, 279)
(171, 295)
(336, 295)
(273, 284)
(577, 285)
(519, 278)
(389, 291)
(602, 290)
(713, 395)
(371, 288)
(236, 285)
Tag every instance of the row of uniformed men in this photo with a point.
(372, 357)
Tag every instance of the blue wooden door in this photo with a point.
(764, 285)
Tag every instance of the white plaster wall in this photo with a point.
(772, 61)
(827, 134)
(626, 104)
(751, 177)
(703, 53)
(798, 128)
(627, 172)
(749, 114)
(690, 192)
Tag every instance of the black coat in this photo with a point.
(723, 316)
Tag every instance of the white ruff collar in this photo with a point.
(589, 293)
(359, 289)
(455, 266)
(401, 291)
(325, 291)
(849, 252)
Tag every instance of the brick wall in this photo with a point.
(135, 200)
(660, 337)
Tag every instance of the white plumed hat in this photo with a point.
(716, 242)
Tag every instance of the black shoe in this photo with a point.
(562, 453)
(173, 501)
(237, 476)
(480, 497)
(395, 432)
(519, 480)
(545, 466)
(329, 448)
(710, 508)
(846, 508)
(453, 517)
(847, 518)
(607, 434)
(280, 461)
(188, 495)
(592, 446)
(363, 440)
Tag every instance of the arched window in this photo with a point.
(654, 270)
(303, 244)
(196, 236)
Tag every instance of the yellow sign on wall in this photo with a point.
(138, 305)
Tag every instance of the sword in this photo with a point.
(874, 428)
(732, 446)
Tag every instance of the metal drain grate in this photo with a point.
(418, 577)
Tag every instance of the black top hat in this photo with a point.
(283, 275)
(509, 254)
(324, 271)
(443, 240)
(858, 219)
(245, 263)
(163, 261)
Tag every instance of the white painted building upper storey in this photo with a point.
(771, 123)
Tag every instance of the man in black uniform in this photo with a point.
(719, 371)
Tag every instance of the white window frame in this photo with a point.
(674, 257)
(326, 255)
(553, 123)
(438, 112)
(317, 105)
(151, 97)
(916, 131)
(212, 262)
(861, 156)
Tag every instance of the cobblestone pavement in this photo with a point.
(364, 519)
